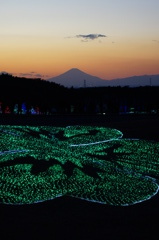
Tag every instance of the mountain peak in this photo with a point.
(75, 71)
(76, 78)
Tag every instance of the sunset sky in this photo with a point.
(105, 38)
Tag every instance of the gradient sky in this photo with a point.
(106, 38)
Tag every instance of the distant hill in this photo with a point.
(136, 81)
(77, 79)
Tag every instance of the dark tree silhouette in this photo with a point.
(49, 97)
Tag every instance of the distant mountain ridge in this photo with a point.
(77, 79)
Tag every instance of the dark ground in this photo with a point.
(70, 218)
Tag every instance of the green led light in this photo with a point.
(91, 163)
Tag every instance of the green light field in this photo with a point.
(92, 163)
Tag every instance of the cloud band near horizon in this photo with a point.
(90, 36)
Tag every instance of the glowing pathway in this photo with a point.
(91, 163)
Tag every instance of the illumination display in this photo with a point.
(92, 163)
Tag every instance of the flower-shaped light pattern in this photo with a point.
(91, 163)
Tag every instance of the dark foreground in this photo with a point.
(70, 218)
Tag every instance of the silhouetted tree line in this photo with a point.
(36, 96)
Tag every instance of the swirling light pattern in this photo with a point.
(91, 163)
